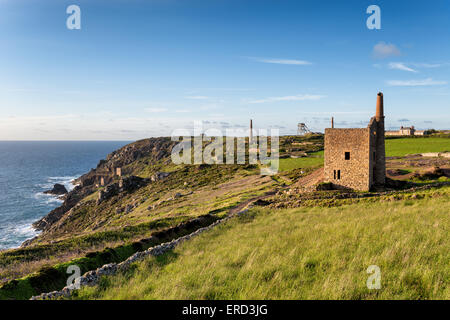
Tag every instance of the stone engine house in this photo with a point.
(355, 158)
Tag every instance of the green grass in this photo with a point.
(313, 160)
(303, 253)
(50, 278)
(80, 235)
(404, 146)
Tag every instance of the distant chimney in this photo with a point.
(380, 112)
(251, 131)
(332, 122)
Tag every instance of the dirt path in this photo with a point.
(244, 204)
(311, 179)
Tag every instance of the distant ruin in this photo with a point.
(302, 129)
(355, 158)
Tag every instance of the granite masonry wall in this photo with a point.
(356, 158)
(354, 172)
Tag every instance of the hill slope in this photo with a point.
(151, 203)
(304, 253)
(157, 201)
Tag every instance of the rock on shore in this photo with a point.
(58, 189)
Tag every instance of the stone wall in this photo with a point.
(92, 278)
(355, 173)
(380, 154)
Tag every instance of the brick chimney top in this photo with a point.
(380, 112)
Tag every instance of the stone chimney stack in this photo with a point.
(380, 153)
(380, 112)
(332, 122)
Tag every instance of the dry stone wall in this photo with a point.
(92, 278)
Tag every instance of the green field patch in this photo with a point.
(312, 160)
(404, 146)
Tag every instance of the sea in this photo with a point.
(27, 168)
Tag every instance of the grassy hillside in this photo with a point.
(304, 253)
(90, 233)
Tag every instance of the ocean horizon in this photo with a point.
(28, 168)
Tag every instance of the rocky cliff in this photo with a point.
(149, 150)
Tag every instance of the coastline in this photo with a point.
(70, 185)
(28, 168)
(28, 227)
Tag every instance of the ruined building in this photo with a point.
(355, 158)
(302, 129)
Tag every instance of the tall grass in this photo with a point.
(310, 253)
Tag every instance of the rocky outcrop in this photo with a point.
(72, 198)
(153, 149)
(159, 176)
(127, 184)
(58, 190)
(432, 173)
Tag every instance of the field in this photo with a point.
(304, 253)
(313, 160)
(403, 146)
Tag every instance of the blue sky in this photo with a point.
(144, 68)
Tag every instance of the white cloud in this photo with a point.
(37, 119)
(299, 97)
(155, 110)
(89, 126)
(197, 97)
(431, 65)
(415, 83)
(284, 61)
(383, 50)
(400, 66)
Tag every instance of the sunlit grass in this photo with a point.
(309, 253)
(313, 160)
(404, 146)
